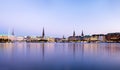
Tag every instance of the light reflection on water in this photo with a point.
(59, 56)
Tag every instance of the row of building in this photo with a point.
(110, 37)
(13, 38)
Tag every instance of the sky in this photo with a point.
(59, 17)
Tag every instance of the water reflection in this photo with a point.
(64, 56)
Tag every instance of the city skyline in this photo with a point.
(60, 17)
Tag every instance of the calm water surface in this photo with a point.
(59, 56)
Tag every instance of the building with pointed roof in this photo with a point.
(73, 33)
(82, 34)
(43, 33)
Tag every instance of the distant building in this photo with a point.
(43, 39)
(98, 38)
(113, 37)
(102, 38)
(82, 34)
(43, 33)
(94, 38)
(39, 38)
(58, 39)
(64, 39)
(72, 38)
(4, 38)
(20, 38)
(61, 39)
(50, 39)
(12, 37)
(34, 39)
(8, 38)
(76, 38)
(87, 38)
(73, 33)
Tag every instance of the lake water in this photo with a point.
(59, 56)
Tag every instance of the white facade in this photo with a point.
(101, 38)
(12, 38)
(20, 38)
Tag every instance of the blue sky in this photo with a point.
(59, 17)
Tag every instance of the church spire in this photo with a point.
(82, 34)
(43, 33)
(73, 33)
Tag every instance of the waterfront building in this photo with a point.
(43, 39)
(4, 38)
(7, 37)
(28, 39)
(12, 36)
(72, 38)
(98, 38)
(33, 39)
(64, 39)
(20, 38)
(75, 38)
(39, 38)
(49, 39)
(101, 38)
(87, 38)
(82, 36)
(61, 39)
(58, 39)
(113, 37)
(94, 38)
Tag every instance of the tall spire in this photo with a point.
(73, 33)
(13, 32)
(82, 34)
(43, 33)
